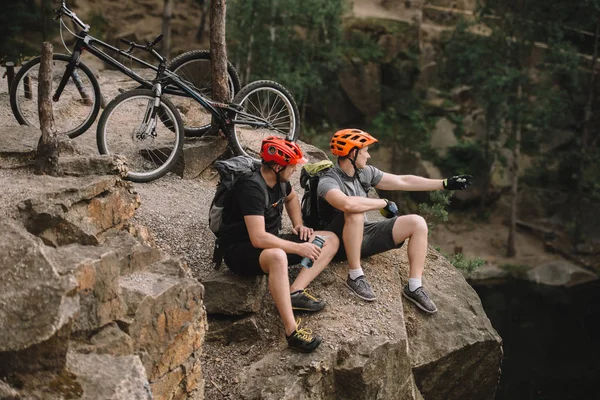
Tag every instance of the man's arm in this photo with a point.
(352, 204)
(410, 183)
(262, 239)
(292, 206)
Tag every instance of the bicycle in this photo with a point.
(77, 98)
(145, 128)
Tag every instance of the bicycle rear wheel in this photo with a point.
(150, 147)
(272, 102)
(195, 67)
(79, 103)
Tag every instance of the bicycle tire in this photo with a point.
(247, 140)
(116, 131)
(73, 115)
(194, 66)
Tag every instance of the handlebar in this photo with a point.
(64, 10)
(149, 47)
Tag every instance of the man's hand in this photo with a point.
(458, 182)
(304, 232)
(309, 250)
(390, 210)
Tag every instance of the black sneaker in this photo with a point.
(420, 298)
(304, 301)
(361, 287)
(303, 339)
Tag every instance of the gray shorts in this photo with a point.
(377, 236)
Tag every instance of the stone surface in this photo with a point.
(365, 360)
(28, 275)
(443, 136)
(242, 330)
(198, 154)
(356, 80)
(133, 256)
(560, 273)
(107, 377)
(230, 294)
(167, 322)
(86, 165)
(79, 212)
(455, 353)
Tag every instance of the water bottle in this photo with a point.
(319, 241)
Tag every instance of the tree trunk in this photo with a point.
(511, 248)
(218, 51)
(166, 28)
(47, 151)
(585, 144)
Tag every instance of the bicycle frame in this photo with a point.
(164, 77)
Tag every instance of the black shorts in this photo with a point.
(243, 258)
(377, 237)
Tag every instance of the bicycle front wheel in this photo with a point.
(150, 146)
(78, 105)
(195, 67)
(268, 101)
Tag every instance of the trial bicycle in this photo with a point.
(77, 98)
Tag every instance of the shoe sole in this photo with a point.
(358, 295)
(302, 350)
(418, 304)
(307, 309)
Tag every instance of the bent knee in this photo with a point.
(354, 218)
(273, 258)
(331, 240)
(419, 223)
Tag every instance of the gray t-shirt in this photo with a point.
(369, 176)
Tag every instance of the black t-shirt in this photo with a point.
(249, 199)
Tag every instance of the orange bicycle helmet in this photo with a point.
(344, 141)
(281, 151)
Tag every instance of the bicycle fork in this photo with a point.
(148, 126)
(70, 71)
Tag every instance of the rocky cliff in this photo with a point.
(90, 309)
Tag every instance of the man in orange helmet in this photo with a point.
(252, 244)
(345, 188)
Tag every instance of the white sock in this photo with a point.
(355, 273)
(414, 284)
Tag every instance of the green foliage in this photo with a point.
(516, 270)
(462, 158)
(296, 43)
(436, 212)
(469, 265)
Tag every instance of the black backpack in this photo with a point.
(316, 212)
(230, 171)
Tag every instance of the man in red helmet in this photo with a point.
(252, 244)
(345, 188)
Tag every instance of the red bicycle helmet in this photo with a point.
(344, 141)
(281, 151)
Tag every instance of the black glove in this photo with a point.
(390, 210)
(458, 182)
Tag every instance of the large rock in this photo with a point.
(443, 136)
(357, 81)
(78, 210)
(364, 355)
(455, 353)
(560, 273)
(198, 154)
(27, 276)
(231, 294)
(107, 377)
(167, 322)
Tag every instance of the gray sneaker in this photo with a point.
(361, 287)
(420, 298)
